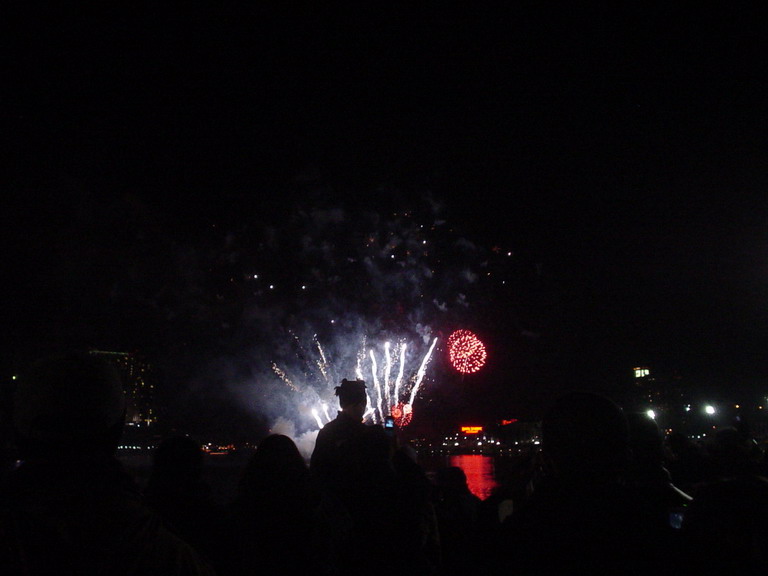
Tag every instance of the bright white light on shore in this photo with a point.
(709, 409)
(651, 414)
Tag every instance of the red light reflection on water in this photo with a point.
(480, 471)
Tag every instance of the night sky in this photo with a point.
(590, 184)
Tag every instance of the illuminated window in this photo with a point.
(641, 372)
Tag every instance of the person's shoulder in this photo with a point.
(330, 428)
(157, 549)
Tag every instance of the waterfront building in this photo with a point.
(474, 439)
(138, 384)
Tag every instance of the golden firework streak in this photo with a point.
(284, 377)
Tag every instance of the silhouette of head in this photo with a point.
(278, 452)
(585, 436)
(178, 457)
(352, 397)
(69, 404)
(726, 526)
(646, 441)
(276, 459)
(732, 453)
(680, 444)
(452, 478)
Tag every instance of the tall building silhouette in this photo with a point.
(647, 389)
(138, 385)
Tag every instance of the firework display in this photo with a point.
(351, 293)
(402, 413)
(392, 384)
(466, 351)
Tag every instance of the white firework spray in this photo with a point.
(422, 371)
(387, 394)
(387, 370)
(399, 379)
(317, 417)
(376, 385)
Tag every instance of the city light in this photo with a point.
(709, 409)
(651, 414)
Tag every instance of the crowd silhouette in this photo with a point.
(607, 493)
(70, 507)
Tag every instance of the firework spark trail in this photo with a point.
(399, 379)
(387, 372)
(304, 354)
(376, 384)
(360, 360)
(393, 390)
(322, 364)
(370, 410)
(317, 418)
(284, 377)
(421, 372)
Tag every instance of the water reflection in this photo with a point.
(480, 471)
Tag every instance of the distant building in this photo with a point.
(137, 383)
(642, 372)
(665, 397)
(646, 387)
(472, 439)
(647, 392)
(518, 432)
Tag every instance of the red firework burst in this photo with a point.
(466, 352)
(402, 413)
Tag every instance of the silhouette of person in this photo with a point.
(384, 508)
(334, 465)
(458, 515)
(648, 475)
(687, 461)
(580, 517)
(732, 453)
(514, 482)
(72, 507)
(177, 492)
(271, 518)
(336, 439)
(418, 527)
(725, 528)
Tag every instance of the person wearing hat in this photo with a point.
(352, 467)
(582, 516)
(70, 506)
(337, 437)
